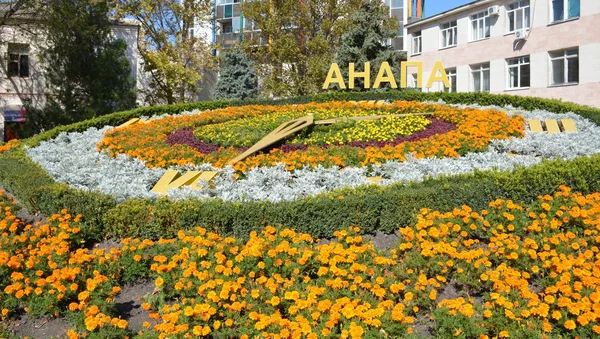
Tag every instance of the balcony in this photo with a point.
(226, 40)
(226, 12)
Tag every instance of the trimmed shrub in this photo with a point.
(485, 99)
(373, 208)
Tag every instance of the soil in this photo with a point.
(43, 328)
(382, 241)
(129, 304)
(23, 214)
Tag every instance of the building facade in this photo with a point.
(542, 48)
(230, 27)
(22, 79)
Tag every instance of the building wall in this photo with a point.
(14, 90)
(544, 37)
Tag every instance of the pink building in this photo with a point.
(543, 48)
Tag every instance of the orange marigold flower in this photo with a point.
(570, 325)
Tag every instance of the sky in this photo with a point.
(433, 7)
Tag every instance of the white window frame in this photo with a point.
(451, 73)
(478, 70)
(417, 40)
(521, 62)
(565, 56)
(565, 12)
(523, 5)
(392, 4)
(452, 26)
(482, 19)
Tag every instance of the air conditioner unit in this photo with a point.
(520, 34)
(494, 10)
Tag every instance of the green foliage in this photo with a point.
(485, 99)
(19, 175)
(365, 41)
(174, 57)
(372, 208)
(302, 41)
(237, 77)
(87, 71)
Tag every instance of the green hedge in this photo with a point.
(486, 99)
(372, 208)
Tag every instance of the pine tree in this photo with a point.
(237, 79)
(366, 41)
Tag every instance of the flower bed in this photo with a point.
(9, 145)
(441, 149)
(504, 271)
(247, 132)
(245, 125)
(114, 193)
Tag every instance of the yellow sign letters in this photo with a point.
(385, 75)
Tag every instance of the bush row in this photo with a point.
(372, 208)
(485, 99)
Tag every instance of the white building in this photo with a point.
(22, 77)
(542, 48)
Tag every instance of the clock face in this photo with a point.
(337, 134)
(342, 129)
(302, 137)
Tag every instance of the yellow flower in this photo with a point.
(122, 323)
(570, 325)
(274, 301)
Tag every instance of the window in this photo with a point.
(250, 25)
(451, 72)
(228, 13)
(518, 72)
(480, 26)
(564, 66)
(227, 28)
(565, 9)
(397, 4)
(449, 31)
(518, 15)
(481, 77)
(417, 43)
(18, 60)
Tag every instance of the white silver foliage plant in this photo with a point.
(72, 158)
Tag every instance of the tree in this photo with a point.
(237, 78)
(173, 56)
(366, 41)
(87, 71)
(299, 41)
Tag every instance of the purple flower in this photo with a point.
(186, 137)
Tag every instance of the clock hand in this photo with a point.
(283, 131)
